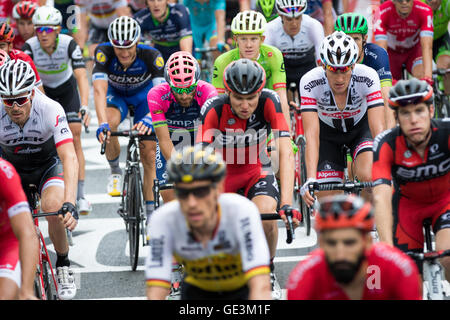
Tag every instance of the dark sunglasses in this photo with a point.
(401, 1)
(199, 192)
(187, 90)
(122, 43)
(20, 101)
(336, 69)
(46, 29)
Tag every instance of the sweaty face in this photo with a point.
(291, 25)
(126, 56)
(18, 114)
(25, 28)
(415, 121)
(184, 99)
(46, 39)
(249, 45)
(157, 8)
(244, 105)
(403, 7)
(339, 80)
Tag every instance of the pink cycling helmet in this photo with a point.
(181, 70)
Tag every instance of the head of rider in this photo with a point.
(244, 79)
(434, 4)
(338, 54)
(197, 173)
(23, 14)
(124, 34)
(355, 25)
(267, 8)
(47, 24)
(412, 101)
(6, 37)
(248, 28)
(343, 223)
(182, 73)
(403, 7)
(158, 9)
(291, 13)
(17, 80)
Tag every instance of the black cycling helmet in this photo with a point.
(244, 76)
(410, 91)
(194, 163)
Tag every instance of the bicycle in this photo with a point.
(131, 208)
(206, 63)
(441, 101)
(432, 269)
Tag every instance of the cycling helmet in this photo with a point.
(124, 32)
(267, 8)
(194, 163)
(24, 10)
(16, 77)
(6, 33)
(47, 16)
(351, 23)
(291, 8)
(244, 76)
(344, 211)
(339, 50)
(4, 57)
(248, 22)
(410, 91)
(182, 70)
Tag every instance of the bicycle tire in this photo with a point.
(50, 292)
(134, 209)
(301, 143)
(37, 287)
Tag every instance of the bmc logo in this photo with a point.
(425, 171)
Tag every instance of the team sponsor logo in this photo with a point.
(329, 174)
(374, 96)
(159, 62)
(231, 121)
(100, 57)
(60, 119)
(314, 83)
(407, 154)
(129, 79)
(25, 139)
(308, 101)
(248, 239)
(64, 131)
(156, 247)
(369, 82)
(6, 169)
(425, 171)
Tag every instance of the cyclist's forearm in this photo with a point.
(389, 117)
(259, 287)
(220, 22)
(376, 120)
(165, 144)
(427, 56)
(100, 90)
(286, 169)
(312, 132)
(157, 293)
(83, 85)
(382, 197)
(66, 153)
(186, 44)
(284, 105)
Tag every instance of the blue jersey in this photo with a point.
(312, 6)
(377, 58)
(148, 66)
(166, 35)
(203, 14)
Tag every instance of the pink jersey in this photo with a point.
(391, 275)
(403, 34)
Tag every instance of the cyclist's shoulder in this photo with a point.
(378, 51)
(364, 74)
(310, 22)
(178, 10)
(307, 268)
(214, 103)
(169, 215)
(205, 89)
(269, 94)
(390, 258)
(159, 93)
(142, 15)
(270, 53)
(387, 136)
(274, 25)
(313, 78)
(387, 7)
(421, 7)
(441, 126)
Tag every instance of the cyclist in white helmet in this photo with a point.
(341, 104)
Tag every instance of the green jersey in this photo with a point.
(270, 58)
(441, 17)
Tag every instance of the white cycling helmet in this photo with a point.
(248, 22)
(16, 77)
(124, 32)
(291, 8)
(47, 16)
(339, 50)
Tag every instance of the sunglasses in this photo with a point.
(184, 90)
(336, 69)
(122, 43)
(401, 1)
(46, 29)
(199, 192)
(20, 101)
(410, 99)
(293, 9)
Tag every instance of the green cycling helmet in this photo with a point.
(351, 23)
(267, 8)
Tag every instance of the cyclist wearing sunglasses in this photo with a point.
(415, 158)
(341, 104)
(348, 266)
(60, 64)
(23, 12)
(37, 140)
(405, 30)
(124, 73)
(355, 25)
(217, 237)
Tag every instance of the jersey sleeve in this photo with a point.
(219, 67)
(383, 159)
(209, 121)
(158, 107)
(302, 280)
(207, 92)
(11, 191)
(220, 5)
(380, 32)
(274, 114)
(426, 29)
(75, 54)
(185, 22)
(382, 67)
(308, 100)
(100, 71)
(57, 120)
(278, 79)
(373, 89)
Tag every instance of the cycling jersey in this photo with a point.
(270, 58)
(101, 12)
(300, 52)
(237, 251)
(20, 55)
(377, 58)
(441, 17)
(391, 275)
(363, 93)
(34, 146)
(6, 7)
(166, 35)
(403, 34)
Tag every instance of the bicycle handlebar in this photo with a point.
(207, 49)
(83, 113)
(125, 133)
(46, 214)
(429, 255)
(348, 186)
(290, 232)
(441, 72)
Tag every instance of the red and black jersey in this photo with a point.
(423, 180)
(222, 128)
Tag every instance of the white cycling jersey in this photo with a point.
(101, 12)
(237, 251)
(57, 68)
(363, 93)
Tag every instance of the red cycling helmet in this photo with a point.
(6, 33)
(344, 211)
(4, 57)
(182, 70)
(24, 10)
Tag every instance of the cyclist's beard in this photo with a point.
(343, 271)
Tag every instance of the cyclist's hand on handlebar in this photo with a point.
(69, 215)
(304, 192)
(100, 135)
(144, 126)
(86, 118)
(223, 47)
(296, 215)
(294, 105)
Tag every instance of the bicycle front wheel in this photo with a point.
(134, 208)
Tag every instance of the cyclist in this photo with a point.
(415, 156)
(23, 13)
(6, 9)
(238, 124)
(347, 265)
(208, 24)
(355, 25)
(36, 139)
(124, 72)
(168, 25)
(6, 44)
(267, 8)
(405, 30)
(298, 36)
(248, 28)
(60, 64)
(340, 104)
(224, 254)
